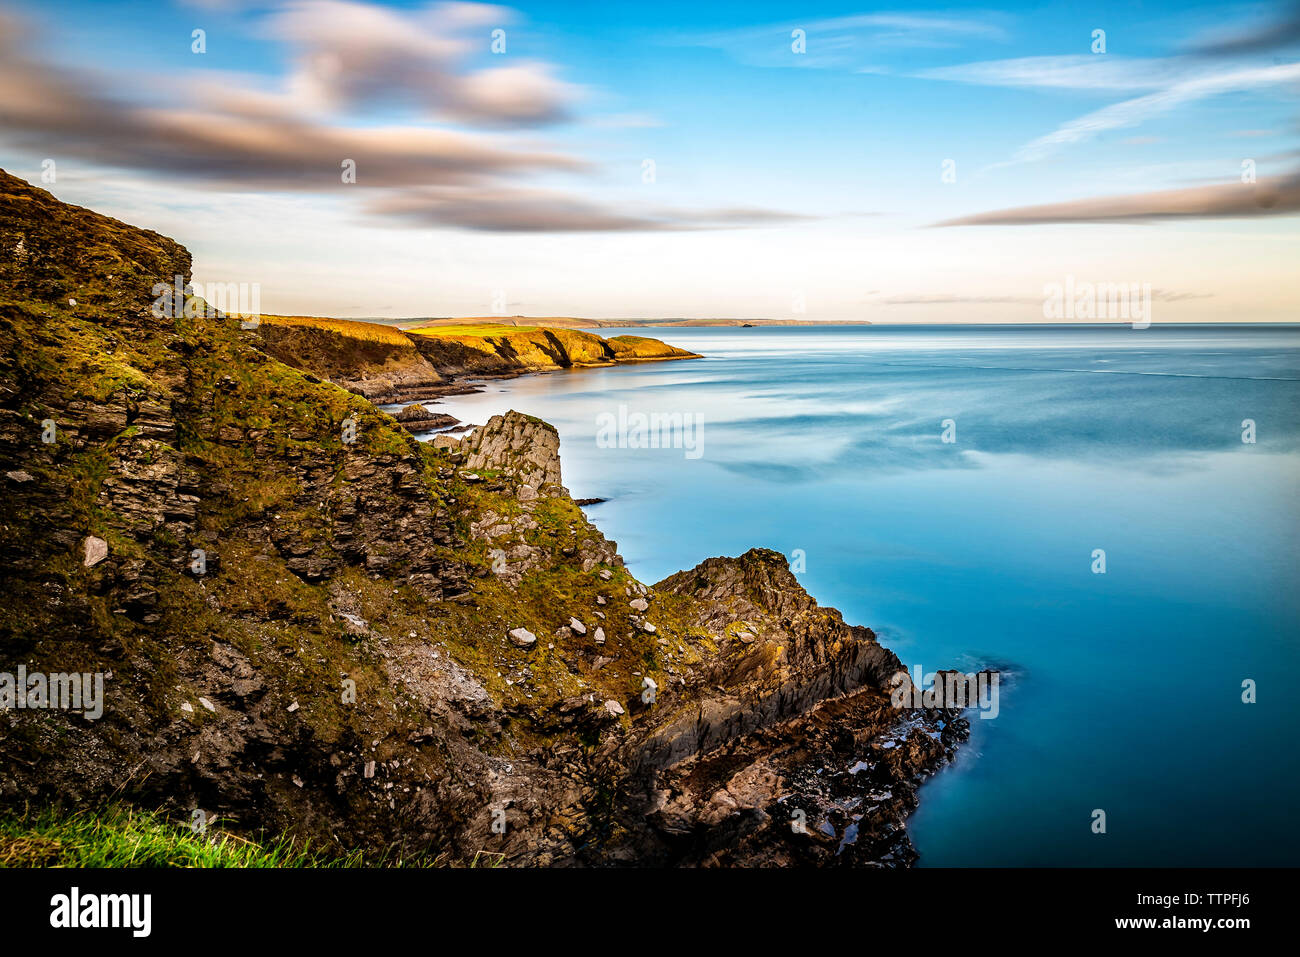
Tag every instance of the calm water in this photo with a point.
(1127, 685)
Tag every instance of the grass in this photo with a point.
(122, 836)
(352, 328)
(475, 329)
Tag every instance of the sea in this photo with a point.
(1107, 515)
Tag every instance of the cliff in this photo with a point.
(389, 365)
(309, 622)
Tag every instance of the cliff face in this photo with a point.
(309, 621)
(387, 365)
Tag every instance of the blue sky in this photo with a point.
(785, 184)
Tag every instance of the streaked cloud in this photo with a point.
(1267, 197)
(536, 210)
(227, 131)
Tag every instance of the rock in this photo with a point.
(522, 637)
(639, 604)
(648, 628)
(96, 550)
(577, 626)
(20, 475)
(606, 574)
(187, 707)
(293, 707)
(519, 445)
(207, 704)
(470, 477)
(526, 493)
(613, 707)
(353, 624)
(600, 636)
(600, 599)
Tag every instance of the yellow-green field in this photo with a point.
(369, 331)
(476, 329)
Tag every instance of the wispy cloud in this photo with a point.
(1074, 72)
(1138, 110)
(850, 42)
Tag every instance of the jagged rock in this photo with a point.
(613, 707)
(639, 604)
(599, 636)
(518, 445)
(578, 627)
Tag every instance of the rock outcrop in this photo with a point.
(309, 622)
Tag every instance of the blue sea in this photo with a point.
(1123, 690)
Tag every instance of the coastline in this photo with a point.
(318, 626)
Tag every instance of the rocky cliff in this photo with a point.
(388, 365)
(309, 622)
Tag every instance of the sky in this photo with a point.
(900, 163)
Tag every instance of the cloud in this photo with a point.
(1166, 84)
(1281, 30)
(1138, 110)
(355, 55)
(1280, 196)
(536, 210)
(226, 132)
(1075, 72)
(848, 42)
(1161, 295)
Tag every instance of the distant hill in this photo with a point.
(572, 322)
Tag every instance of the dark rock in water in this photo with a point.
(416, 418)
(584, 502)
